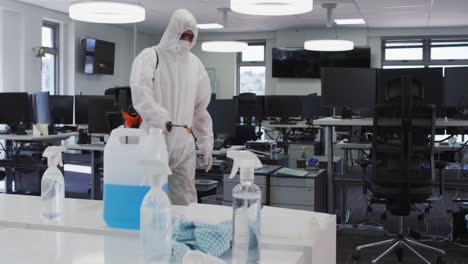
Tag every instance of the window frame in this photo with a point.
(55, 27)
(241, 63)
(426, 45)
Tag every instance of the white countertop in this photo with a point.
(85, 217)
(23, 246)
(80, 216)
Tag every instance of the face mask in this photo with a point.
(183, 46)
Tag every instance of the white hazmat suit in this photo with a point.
(176, 88)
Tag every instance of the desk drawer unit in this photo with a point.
(303, 193)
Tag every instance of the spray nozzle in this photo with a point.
(155, 169)
(244, 161)
(54, 155)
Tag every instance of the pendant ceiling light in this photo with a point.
(329, 44)
(221, 45)
(272, 7)
(224, 46)
(107, 12)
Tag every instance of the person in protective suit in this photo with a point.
(170, 84)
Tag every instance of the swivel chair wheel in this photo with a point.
(440, 260)
(356, 256)
(399, 254)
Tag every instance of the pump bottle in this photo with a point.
(246, 208)
(52, 185)
(155, 215)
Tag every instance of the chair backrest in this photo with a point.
(122, 96)
(402, 169)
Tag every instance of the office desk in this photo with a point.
(285, 127)
(85, 217)
(60, 136)
(10, 138)
(330, 122)
(299, 124)
(97, 153)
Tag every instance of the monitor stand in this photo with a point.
(347, 113)
(17, 129)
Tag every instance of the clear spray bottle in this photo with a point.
(246, 208)
(52, 185)
(155, 215)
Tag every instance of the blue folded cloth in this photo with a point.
(211, 239)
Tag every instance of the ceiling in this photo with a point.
(377, 13)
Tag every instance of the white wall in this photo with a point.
(225, 65)
(20, 31)
(96, 84)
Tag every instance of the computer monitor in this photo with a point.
(42, 108)
(311, 106)
(82, 104)
(429, 81)
(15, 109)
(62, 109)
(349, 87)
(283, 106)
(456, 87)
(97, 115)
(223, 113)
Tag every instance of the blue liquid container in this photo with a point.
(125, 181)
(123, 207)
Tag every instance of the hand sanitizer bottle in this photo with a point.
(155, 215)
(246, 208)
(52, 185)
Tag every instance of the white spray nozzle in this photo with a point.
(54, 155)
(155, 169)
(243, 160)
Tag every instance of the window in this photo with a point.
(50, 60)
(424, 52)
(251, 69)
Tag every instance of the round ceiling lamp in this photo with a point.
(329, 45)
(107, 12)
(224, 46)
(272, 7)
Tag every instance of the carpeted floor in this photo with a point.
(437, 223)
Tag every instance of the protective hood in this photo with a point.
(181, 21)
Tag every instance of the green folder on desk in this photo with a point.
(292, 172)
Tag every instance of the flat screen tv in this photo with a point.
(295, 63)
(99, 56)
(300, 63)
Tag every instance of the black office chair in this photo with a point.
(403, 166)
(122, 96)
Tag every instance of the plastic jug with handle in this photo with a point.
(125, 181)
